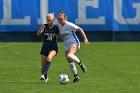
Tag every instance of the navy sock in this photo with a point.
(46, 67)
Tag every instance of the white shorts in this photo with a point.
(68, 46)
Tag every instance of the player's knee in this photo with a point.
(69, 56)
(49, 59)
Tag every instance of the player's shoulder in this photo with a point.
(45, 25)
(70, 23)
(55, 26)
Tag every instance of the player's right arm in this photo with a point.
(41, 30)
(83, 35)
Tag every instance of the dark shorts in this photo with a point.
(45, 50)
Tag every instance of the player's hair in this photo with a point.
(50, 15)
(62, 13)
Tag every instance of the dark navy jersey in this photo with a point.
(49, 36)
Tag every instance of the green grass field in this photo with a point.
(113, 67)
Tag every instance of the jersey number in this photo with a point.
(49, 38)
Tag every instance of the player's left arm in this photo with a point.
(40, 31)
(83, 35)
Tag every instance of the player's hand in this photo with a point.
(86, 41)
(42, 28)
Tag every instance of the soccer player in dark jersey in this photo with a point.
(49, 33)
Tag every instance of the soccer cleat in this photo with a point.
(46, 80)
(76, 79)
(83, 67)
(42, 77)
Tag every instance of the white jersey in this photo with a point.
(68, 34)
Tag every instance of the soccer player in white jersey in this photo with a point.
(71, 43)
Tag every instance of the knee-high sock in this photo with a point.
(73, 68)
(73, 57)
(46, 67)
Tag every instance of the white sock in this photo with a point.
(73, 68)
(73, 57)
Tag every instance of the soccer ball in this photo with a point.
(63, 79)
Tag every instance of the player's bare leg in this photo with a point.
(73, 68)
(71, 55)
